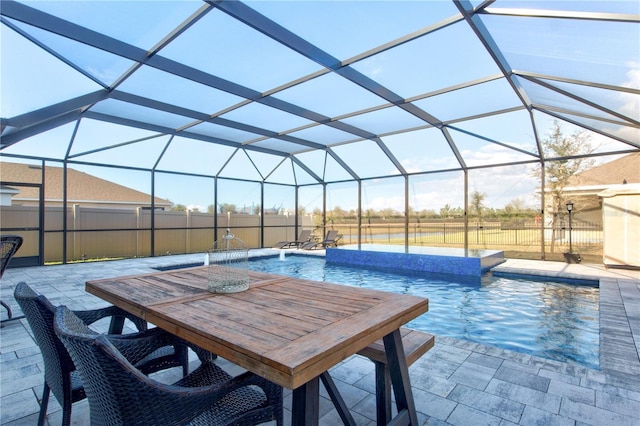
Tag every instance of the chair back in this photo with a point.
(9, 245)
(39, 313)
(305, 235)
(331, 236)
(116, 390)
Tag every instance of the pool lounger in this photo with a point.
(303, 238)
(330, 240)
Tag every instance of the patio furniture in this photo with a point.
(304, 237)
(330, 240)
(9, 245)
(60, 375)
(120, 394)
(288, 330)
(415, 343)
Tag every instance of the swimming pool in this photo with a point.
(553, 320)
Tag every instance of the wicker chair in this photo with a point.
(119, 394)
(60, 375)
(9, 245)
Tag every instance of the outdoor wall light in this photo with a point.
(571, 257)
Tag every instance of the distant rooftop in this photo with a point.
(622, 170)
(82, 187)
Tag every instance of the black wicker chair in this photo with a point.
(9, 245)
(60, 375)
(119, 394)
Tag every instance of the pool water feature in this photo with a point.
(553, 320)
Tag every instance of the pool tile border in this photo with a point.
(443, 262)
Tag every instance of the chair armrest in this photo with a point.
(178, 404)
(271, 390)
(89, 317)
(137, 346)
(238, 388)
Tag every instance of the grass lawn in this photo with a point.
(527, 246)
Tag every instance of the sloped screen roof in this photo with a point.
(302, 92)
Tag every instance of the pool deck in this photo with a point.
(457, 382)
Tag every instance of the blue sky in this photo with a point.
(605, 53)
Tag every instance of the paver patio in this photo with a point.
(457, 382)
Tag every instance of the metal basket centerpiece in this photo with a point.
(228, 265)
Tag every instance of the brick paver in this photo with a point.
(457, 382)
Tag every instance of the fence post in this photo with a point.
(138, 227)
(444, 232)
(188, 231)
(76, 226)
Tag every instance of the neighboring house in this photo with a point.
(83, 189)
(583, 188)
(6, 192)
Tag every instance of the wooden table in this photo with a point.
(287, 330)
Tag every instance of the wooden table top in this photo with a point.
(286, 329)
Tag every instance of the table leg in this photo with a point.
(383, 394)
(400, 378)
(338, 401)
(305, 409)
(117, 324)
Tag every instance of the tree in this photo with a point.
(388, 213)
(228, 208)
(566, 154)
(476, 203)
(337, 214)
(334, 216)
(369, 214)
(517, 208)
(457, 212)
(179, 208)
(317, 218)
(446, 211)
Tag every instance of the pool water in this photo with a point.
(553, 320)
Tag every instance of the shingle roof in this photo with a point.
(82, 187)
(626, 168)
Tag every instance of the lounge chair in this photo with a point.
(330, 240)
(303, 238)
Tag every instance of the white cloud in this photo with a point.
(630, 103)
(378, 203)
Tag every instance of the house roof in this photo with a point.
(626, 168)
(82, 187)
